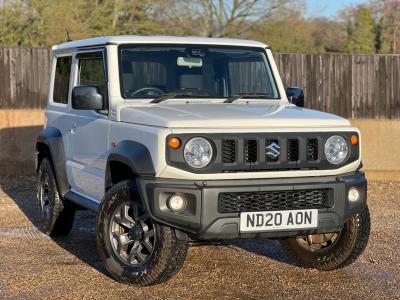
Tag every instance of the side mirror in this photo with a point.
(87, 98)
(295, 96)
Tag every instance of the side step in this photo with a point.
(82, 201)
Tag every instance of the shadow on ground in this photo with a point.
(81, 242)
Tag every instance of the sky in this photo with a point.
(328, 8)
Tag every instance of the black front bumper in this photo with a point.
(201, 219)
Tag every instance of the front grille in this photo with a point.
(312, 149)
(228, 151)
(263, 152)
(279, 153)
(272, 200)
(250, 151)
(293, 150)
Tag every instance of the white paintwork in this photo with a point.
(138, 120)
(137, 39)
(203, 114)
(88, 147)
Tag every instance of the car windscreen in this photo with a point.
(201, 71)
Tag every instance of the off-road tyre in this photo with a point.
(57, 216)
(351, 243)
(168, 255)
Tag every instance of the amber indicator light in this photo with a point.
(174, 142)
(354, 139)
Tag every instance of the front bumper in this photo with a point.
(201, 220)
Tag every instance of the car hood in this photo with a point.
(226, 115)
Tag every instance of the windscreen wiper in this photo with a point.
(248, 95)
(167, 96)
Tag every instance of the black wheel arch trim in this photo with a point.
(52, 138)
(132, 154)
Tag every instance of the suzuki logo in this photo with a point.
(273, 150)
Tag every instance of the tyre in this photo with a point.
(327, 252)
(135, 249)
(56, 216)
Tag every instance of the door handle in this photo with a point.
(73, 128)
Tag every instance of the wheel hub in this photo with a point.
(132, 234)
(318, 242)
(136, 233)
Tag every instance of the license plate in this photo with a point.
(278, 220)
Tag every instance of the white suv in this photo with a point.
(175, 140)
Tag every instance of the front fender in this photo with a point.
(134, 155)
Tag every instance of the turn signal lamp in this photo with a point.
(354, 139)
(174, 143)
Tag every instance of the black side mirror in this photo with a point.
(295, 96)
(87, 98)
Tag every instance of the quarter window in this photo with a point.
(61, 79)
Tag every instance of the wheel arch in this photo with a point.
(128, 160)
(49, 143)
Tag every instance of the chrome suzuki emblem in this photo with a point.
(273, 150)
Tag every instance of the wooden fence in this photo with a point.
(24, 77)
(353, 86)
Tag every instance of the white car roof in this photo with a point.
(133, 39)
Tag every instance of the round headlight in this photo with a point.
(336, 149)
(198, 152)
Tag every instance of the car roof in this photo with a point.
(134, 39)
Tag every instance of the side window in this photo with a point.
(91, 72)
(61, 79)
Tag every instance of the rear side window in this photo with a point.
(61, 79)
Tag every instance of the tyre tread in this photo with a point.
(346, 254)
(170, 256)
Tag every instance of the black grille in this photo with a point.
(272, 200)
(228, 151)
(250, 151)
(312, 149)
(293, 150)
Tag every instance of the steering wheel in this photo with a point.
(149, 91)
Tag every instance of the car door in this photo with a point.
(88, 134)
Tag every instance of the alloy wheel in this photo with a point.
(132, 234)
(318, 242)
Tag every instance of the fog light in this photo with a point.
(354, 195)
(176, 203)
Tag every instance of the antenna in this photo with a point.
(68, 37)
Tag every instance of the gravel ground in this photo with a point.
(34, 266)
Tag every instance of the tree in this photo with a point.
(11, 24)
(277, 32)
(361, 31)
(42, 23)
(220, 18)
(388, 13)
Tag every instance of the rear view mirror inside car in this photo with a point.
(190, 62)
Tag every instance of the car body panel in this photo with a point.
(149, 124)
(270, 114)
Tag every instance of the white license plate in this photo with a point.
(278, 220)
